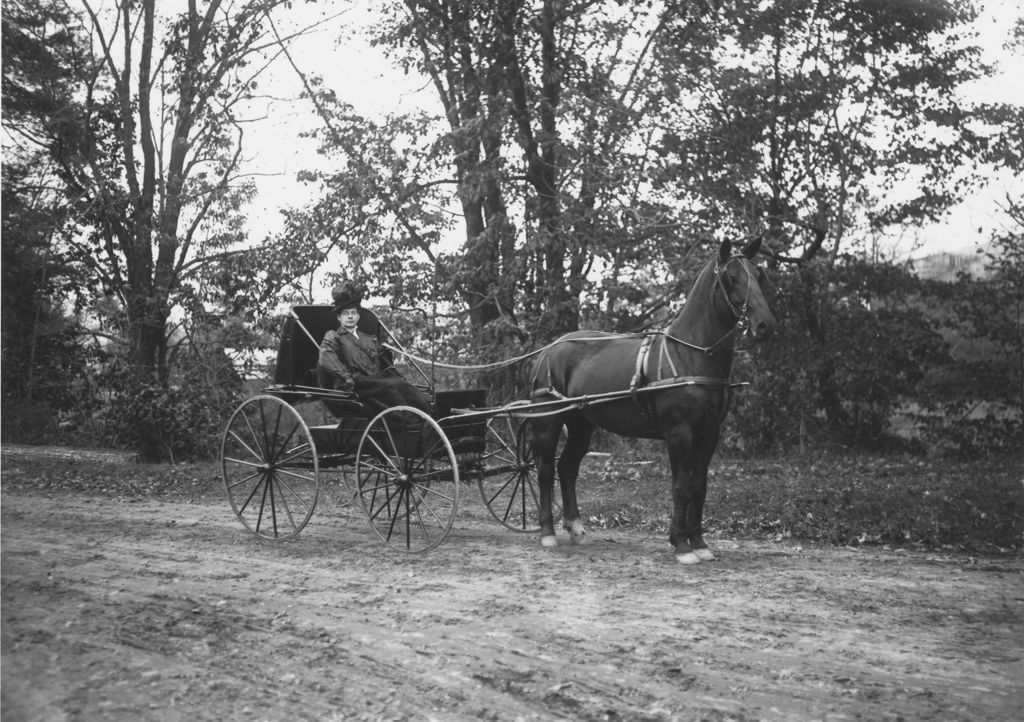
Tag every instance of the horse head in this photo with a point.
(740, 281)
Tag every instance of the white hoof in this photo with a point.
(688, 558)
(704, 555)
(548, 541)
(577, 531)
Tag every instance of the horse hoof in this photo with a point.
(548, 541)
(688, 558)
(704, 555)
(577, 530)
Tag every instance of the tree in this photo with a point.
(825, 116)
(133, 120)
(42, 353)
(543, 117)
(799, 110)
(146, 143)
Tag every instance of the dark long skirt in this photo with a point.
(388, 389)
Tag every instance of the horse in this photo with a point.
(691, 359)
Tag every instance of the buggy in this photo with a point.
(408, 467)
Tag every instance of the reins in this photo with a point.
(649, 337)
(506, 362)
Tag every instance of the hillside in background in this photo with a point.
(945, 266)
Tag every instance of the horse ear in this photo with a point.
(750, 250)
(725, 252)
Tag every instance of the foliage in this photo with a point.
(820, 379)
(179, 421)
(41, 348)
(805, 111)
(43, 356)
(544, 112)
(975, 402)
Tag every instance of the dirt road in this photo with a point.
(153, 610)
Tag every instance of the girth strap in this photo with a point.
(663, 356)
(641, 362)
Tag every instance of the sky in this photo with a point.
(362, 76)
(973, 220)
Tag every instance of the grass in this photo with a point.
(901, 502)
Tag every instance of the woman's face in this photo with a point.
(348, 318)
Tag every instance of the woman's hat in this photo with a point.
(346, 295)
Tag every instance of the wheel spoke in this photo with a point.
(261, 453)
(255, 454)
(501, 489)
(263, 503)
(292, 490)
(243, 480)
(422, 501)
(243, 462)
(393, 518)
(260, 486)
(383, 454)
(294, 454)
(282, 499)
(508, 474)
(386, 505)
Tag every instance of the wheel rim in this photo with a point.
(269, 467)
(408, 479)
(508, 483)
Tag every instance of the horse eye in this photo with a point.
(762, 277)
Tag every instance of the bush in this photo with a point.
(175, 422)
(23, 423)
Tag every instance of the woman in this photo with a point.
(352, 361)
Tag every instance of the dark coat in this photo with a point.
(344, 355)
(355, 363)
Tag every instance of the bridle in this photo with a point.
(722, 280)
(741, 314)
(741, 323)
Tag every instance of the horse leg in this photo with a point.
(577, 442)
(544, 437)
(694, 530)
(679, 454)
(699, 486)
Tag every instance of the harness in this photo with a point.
(643, 380)
(641, 377)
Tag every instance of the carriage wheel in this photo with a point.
(270, 469)
(408, 479)
(508, 483)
